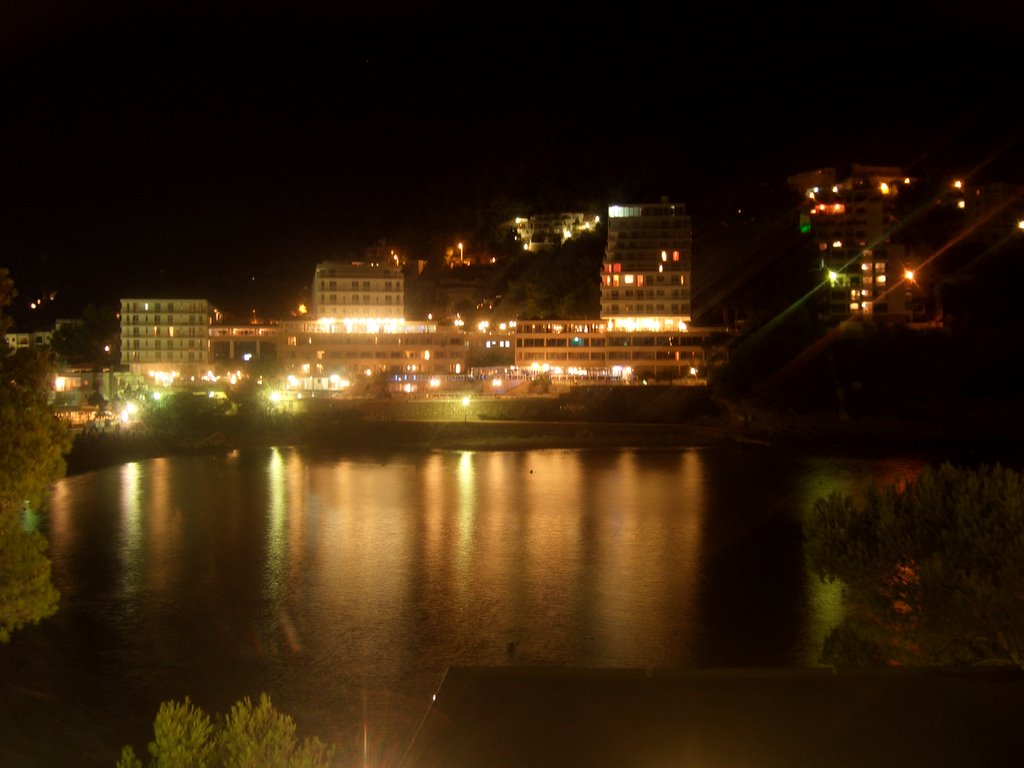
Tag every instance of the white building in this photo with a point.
(164, 339)
(366, 290)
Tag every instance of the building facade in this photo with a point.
(325, 353)
(166, 339)
(599, 351)
(647, 265)
(370, 290)
(866, 272)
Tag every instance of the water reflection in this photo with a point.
(345, 586)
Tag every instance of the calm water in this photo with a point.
(345, 586)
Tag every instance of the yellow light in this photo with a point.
(465, 402)
(495, 382)
(59, 383)
(883, 188)
(302, 309)
(958, 184)
(1020, 224)
(837, 243)
(906, 180)
(909, 275)
(961, 204)
(832, 277)
(835, 188)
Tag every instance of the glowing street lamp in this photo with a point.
(465, 408)
(462, 254)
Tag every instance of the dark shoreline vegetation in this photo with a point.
(597, 417)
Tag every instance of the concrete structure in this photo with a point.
(166, 339)
(600, 350)
(866, 272)
(328, 354)
(647, 266)
(643, 333)
(242, 343)
(763, 718)
(371, 290)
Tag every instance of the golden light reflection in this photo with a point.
(467, 514)
(162, 525)
(276, 520)
(131, 528)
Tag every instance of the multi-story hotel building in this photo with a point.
(643, 333)
(325, 353)
(866, 272)
(597, 350)
(358, 289)
(165, 339)
(647, 265)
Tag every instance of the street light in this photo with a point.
(461, 254)
(465, 407)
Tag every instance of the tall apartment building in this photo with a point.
(165, 339)
(866, 272)
(368, 290)
(647, 266)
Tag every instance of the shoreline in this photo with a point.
(808, 434)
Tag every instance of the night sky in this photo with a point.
(223, 153)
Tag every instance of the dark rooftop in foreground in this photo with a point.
(744, 717)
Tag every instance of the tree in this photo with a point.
(250, 736)
(89, 339)
(932, 573)
(32, 447)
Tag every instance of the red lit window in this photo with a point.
(675, 255)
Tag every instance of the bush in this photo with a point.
(932, 573)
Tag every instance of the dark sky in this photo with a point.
(228, 151)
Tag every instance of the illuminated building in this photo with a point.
(647, 265)
(166, 339)
(644, 332)
(546, 231)
(358, 289)
(598, 350)
(866, 272)
(322, 354)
